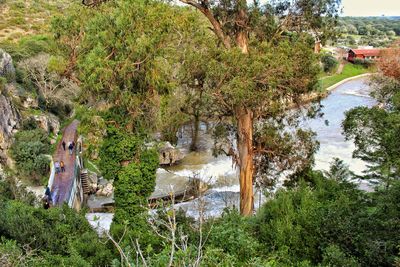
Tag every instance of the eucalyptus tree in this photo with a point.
(128, 58)
(266, 61)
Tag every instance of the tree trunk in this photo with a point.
(244, 118)
(242, 41)
(317, 46)
(195, 135)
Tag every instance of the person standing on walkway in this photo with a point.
(70, 148)
(63, 144)
(62, 166)
(47, 194)
(57, 166)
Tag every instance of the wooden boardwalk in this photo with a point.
(63, 181)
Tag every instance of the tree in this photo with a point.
(133, 186)
(350, 40)
(375, 130)
(250, 85)
(329, 62)
(339, 171)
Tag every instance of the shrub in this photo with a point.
(134, 185)
(363, 62)
(231, 234)
(61, 235)
(29, 152)
(329, 62)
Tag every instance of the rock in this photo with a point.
(92, 181)
(93, 178)
(106, 191)
(49, 123)
(168, 154)
(30, 102)
(9, 123)
(7, 69)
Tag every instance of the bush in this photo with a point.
(332, 223)
(231, 233)
(134, 185)
(329, 62)
(363, 62)
(60, 235)
(29, 152)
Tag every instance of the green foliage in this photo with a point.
(59, 235)
(231, 235)
(363, 62)
(56, 64)
(330, 223)
(376, 31)
(118, 147)
(334, 256)
(339, 171)
(134, 185)
(329, 62)
(125, 159)
(129, 69)
(29, 152)
(29, 46)
(375, 132)
(3, 82)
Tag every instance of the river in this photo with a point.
(222, 175)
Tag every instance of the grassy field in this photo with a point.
(19, 18)
(349, 70)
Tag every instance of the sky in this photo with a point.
(371, 7)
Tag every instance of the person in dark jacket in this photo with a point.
(63, 144)
(70, 148)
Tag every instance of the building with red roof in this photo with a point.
(363, 54)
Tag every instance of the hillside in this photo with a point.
(23, 17)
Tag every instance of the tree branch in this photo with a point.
(203, 8)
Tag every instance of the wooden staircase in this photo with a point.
(85, 182)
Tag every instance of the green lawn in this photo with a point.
(349, 70)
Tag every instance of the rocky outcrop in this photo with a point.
(6, 66)
(30, 102)
(105, 190)
(168, 154)
(9, 123)
(48, 122)
(92, 182)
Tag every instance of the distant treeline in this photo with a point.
(388, 26)
(371, 31)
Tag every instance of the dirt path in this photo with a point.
(63, 181)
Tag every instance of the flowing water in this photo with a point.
(222, 175)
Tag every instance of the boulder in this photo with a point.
(168, 154)
(7, 69)
(106, 190)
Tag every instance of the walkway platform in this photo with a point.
(63, 181)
